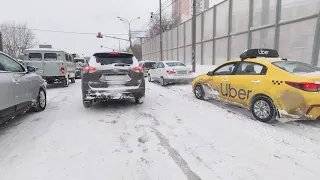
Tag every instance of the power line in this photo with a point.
(65, 32)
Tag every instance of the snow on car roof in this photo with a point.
(171, 61)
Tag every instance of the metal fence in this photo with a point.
(232, 26)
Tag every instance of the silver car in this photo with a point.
(21, 89)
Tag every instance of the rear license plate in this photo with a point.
(115, 78)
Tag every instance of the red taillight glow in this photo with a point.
(89, 69)
(114, 53)
(190, 71)
(170, 72)
(137, 69)
(62, 70)
(310, 87)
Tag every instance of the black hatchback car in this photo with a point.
(112, 76)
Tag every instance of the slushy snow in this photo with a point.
(172, 135)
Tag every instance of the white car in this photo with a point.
(167, 72)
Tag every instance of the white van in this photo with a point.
(53, 65)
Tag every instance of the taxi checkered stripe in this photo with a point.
(277, 82)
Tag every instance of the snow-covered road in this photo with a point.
(171, 136)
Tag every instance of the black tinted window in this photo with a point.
(35, 56)
(50, 56)
(296, 67)
(106, 58)
(79, 60)
(148, 64)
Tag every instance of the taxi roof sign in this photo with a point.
(254, 53)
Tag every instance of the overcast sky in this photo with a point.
(80, 16)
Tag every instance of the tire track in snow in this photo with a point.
(183, 165)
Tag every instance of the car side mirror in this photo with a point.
(210, 73)
(31, 69)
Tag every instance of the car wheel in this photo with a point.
(150, 78)
(162, 82)
(139, 100)
(199, 92)
(41, 101)
(263, 109)
(65, 82)
(73, 80)
(87, 104)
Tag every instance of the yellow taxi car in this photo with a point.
(269, 86)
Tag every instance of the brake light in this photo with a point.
(89, 69)
(170, 72)
(137, 69)
(310, 87)
(114, 53)
(62, 70)
(190, 71)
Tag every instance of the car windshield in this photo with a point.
(296, 67)
(149, 64)
(107, 58)
(172, 64)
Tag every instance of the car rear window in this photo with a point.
(107, 58)
(79, 60)
(35, 56)
(149, 64)
(296, 67)
(172, 64)
(50, 56)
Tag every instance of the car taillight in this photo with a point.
(310, 87)
(89, 69)
(62, 70)
(170, 72)
(137, 69)
(190, 71)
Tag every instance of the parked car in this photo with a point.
(53, 65)
(112, 76)
(269, 86)
(79, 69)
(21, 88)
(146, 66)
(167, 72)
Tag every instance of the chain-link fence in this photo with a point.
(232, 26)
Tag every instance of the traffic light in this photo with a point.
(99, 35)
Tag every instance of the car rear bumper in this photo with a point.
(115, 93)
(177, 79)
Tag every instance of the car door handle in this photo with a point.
(225, 80)
(255, 81)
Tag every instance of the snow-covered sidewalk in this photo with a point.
(171, 136)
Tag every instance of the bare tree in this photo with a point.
(167, 24)
(136, 50)
(16, 38)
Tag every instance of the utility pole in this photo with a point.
(1, 45)
(130, 36)
(194, 28)
(160, 9)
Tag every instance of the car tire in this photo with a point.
(87, 104)
(73, 80)
(41, 103)
(263, 109)
(162, 82)
(139, 100)
(199, 92)
(65, 82)
(150, 78)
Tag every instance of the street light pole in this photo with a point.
(129, 23)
